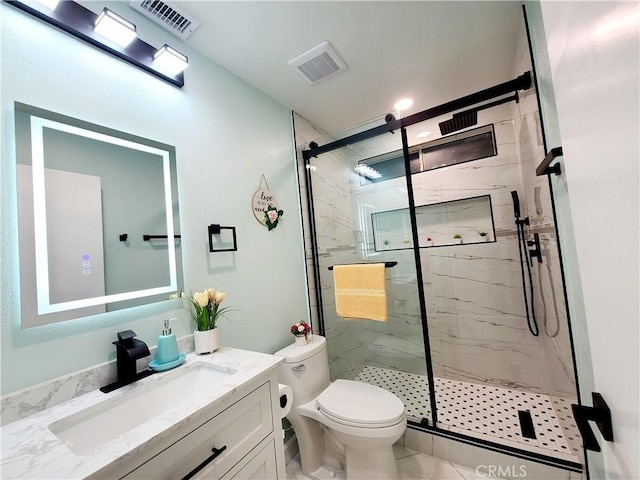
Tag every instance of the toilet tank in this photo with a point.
(305, 369)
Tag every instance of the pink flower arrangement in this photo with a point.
(300, 329)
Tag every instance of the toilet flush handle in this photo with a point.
(298, 368)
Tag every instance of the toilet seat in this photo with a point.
(359, 404)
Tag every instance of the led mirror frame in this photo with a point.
(38, 124)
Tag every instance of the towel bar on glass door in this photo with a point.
(386, 264)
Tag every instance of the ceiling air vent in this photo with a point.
(172, 18)
(318, 63)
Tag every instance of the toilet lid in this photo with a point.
(360, 403)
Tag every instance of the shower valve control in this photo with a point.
(298, 368)
(536, 251)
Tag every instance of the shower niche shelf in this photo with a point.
(439, 222)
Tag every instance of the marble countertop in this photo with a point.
(31, 451)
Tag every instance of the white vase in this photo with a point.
(207, 341)
(301, 340)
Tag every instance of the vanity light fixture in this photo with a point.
(115, 28)
(93, 29)
(170, 60)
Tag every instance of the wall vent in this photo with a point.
(318, 63)
(170, 17)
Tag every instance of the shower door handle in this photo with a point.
(545, 167)
(599, 413)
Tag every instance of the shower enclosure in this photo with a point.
(458, 347)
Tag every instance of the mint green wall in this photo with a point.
(226, 134)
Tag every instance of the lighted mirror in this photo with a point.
(98, 218)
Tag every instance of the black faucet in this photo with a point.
(128, 350)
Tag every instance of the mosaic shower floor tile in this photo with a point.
(485, 411)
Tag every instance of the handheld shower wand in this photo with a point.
(516, 204)
(522, 245)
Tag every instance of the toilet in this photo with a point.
(341, 426)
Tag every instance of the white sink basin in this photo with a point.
(97, 425)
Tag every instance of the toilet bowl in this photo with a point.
(344, 426)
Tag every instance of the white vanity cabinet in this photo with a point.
(238, 441)
(225, 441)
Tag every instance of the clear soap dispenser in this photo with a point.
(167, 351)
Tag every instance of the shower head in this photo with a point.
(516, 204)
(459, 121)
(469, 118)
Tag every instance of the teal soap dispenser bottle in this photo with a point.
(167, 351)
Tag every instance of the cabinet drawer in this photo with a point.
(238, 429)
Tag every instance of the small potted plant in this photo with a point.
(206, 312)
(301, 331)
(457, 238)
(484, 236)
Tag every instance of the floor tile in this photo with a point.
(425, 467)
(402, 452)
(412, 465)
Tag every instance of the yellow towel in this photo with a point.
(361, 291)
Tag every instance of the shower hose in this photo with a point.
(524, 260)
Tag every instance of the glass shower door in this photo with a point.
(361, 214)
(493, 377)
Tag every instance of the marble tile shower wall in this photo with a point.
(547, 276)
(550, 303)
(341, 239)
(335, 233)
(475, 305)
(336, 244)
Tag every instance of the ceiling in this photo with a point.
(430, 51)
